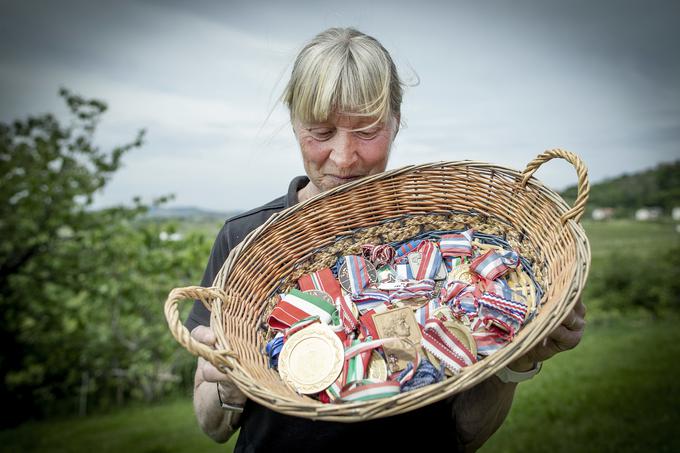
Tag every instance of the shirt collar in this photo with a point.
(296, 184)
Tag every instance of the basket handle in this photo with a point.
(576, 212)
(221, 358)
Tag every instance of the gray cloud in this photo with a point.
(500, 81)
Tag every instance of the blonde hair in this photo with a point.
(343, 71)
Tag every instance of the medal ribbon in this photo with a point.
(430, 261)
(413, 289)
(357, 272)
(488, 341)
(349, 321)
(405, 249)
(380, 255)
(425, 312)
(507, 314)
(494, 264)
(322, 280)
(437, 339)
(457, 244)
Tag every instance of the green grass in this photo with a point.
(617, 391)
(622, 235)
(163, 428)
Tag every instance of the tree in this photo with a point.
(80, 289)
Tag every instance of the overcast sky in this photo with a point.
(500, 81)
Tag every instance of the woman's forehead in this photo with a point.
(346, 121)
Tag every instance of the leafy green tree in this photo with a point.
(80, 289)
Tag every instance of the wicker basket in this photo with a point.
(393, 204)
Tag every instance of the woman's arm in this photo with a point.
(219, 424)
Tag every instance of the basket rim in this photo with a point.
(470, 376)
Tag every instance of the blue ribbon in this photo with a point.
(273, 349)
(425, 375)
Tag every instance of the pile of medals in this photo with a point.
(400, 316)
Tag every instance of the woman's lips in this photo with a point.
(344, 178)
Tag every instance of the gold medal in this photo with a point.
(398, 323)
(311, 359)
(461, 273)
(377, 368)
(443, 313)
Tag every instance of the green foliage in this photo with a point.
(635, 266)
(81, 290)
(626, 281)
(659, 186)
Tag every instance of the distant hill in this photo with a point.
(659, 186)
(189, 212)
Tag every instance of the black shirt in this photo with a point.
(265, 430)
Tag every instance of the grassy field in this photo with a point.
(617, 391)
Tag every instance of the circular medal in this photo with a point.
(311, 359)
(443, 313)
(343, 275)
(320, 294)
(461, 273)
(463, 334)
(377, 368)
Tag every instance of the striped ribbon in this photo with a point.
(357, 272)
(494, 264)
(425, 312)
(488, 341)
(450, 290)
(430, 261)
(437, 339)
(355, 367)
(452, 261)
(349, 321)
(459, 244)
(404, 271)
(273, 349)
(413, 289)
(504, 313)
(322, 280)
(296, 306)
(380, 255)
(298, 326)
(405, 249)
(366, 319)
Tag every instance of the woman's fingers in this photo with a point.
(204, 335)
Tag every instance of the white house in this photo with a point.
(651, 213)
(602, 213)
(676, 213)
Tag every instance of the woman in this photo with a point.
(344, 98)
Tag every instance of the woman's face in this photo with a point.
(335, 153)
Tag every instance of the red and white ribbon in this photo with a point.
(437, 339)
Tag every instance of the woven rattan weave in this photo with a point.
(390, 206)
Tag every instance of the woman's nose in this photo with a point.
(344, 152)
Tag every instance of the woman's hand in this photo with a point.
(207, 372)
(215, 421)
(566, 336)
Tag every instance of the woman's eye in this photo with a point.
(321, 134)
(367, 134)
